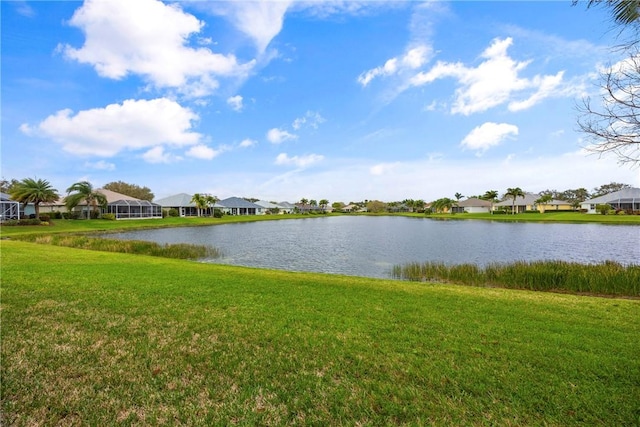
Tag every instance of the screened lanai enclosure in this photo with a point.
(134, 209)
(9, 209)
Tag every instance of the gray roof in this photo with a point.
(177, 200)
(287, 205)
(620, 196)
(268, 205)
(530, 200)
(474, 202)
(237, 202)
(5, 197)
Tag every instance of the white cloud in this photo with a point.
(277, 136)
(235, 102)
(311, 118)
(487, 135)
(201, 151)
(261, 20)
(149, 38)
(493, 82)
(132, 125)
(246, 143)
(100, 165)
(413, 59)
(383, 168)
(158, 155)
(299, 161)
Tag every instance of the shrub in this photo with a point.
(173, 212)
(24, 221)
(217, 213)
(55, 215)
(604, 208)
(109, 216)
(45, 218)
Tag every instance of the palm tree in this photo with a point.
(84, 192)
(513, 193)
(543, 200)
(211, 201)
(442, 204)
(624, 11)
(36, 191)
(201, 202)
(490, 196)
(323, 204)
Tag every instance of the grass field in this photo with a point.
(95, 338)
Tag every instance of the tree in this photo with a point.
(132, 190)
(376, 206)
(83, 192)
(323, 204)
(200, 201)
(612, 125)
(608, 188)
(490, 196)
(211, 200)
(443, 204)
(458, 196)
(625, 12)
(514, 193)
(6, 186)
(36, 191)
(543, 200)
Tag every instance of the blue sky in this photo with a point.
(281, 100)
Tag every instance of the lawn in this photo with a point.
(100, 338)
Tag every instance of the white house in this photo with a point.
(627, 199)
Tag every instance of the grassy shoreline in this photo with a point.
(105, 339)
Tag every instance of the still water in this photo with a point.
(370, 246)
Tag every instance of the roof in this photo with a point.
(474, 202)
(6, 198)
(268, 205)
(112, 196)
(528, 199)
(237, 202)
(620, 196)
(287, 205)
(177, 200)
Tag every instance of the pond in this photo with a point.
(371, 246)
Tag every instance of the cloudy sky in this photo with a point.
(281, 100)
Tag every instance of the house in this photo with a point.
(287, 207)
(472, 205)
(529, 203)
(239, 206)
(183, 204)
(273, 208)
(127, 207)
(9, 209)
(627, 199)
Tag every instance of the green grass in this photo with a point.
(138, 247)
(95, 338)
(606, 278)
(541, 217)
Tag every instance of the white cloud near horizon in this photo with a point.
(488, 135)
(149, 38)
(132, 125)
(495, 81)
(298, 161)
(278, 136)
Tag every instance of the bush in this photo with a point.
(95, 214)
(173, 212)
(24, 221)
(45, 218)
(603, 209)
(217, 213)
(109, 216)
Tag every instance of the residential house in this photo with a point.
(270, 207)
(472, 205)
(127, 207)
(239, 206)
(627, 199)
(185, 207)
(529, 203)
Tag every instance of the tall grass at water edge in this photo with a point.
(140, 247)
(606, 278)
